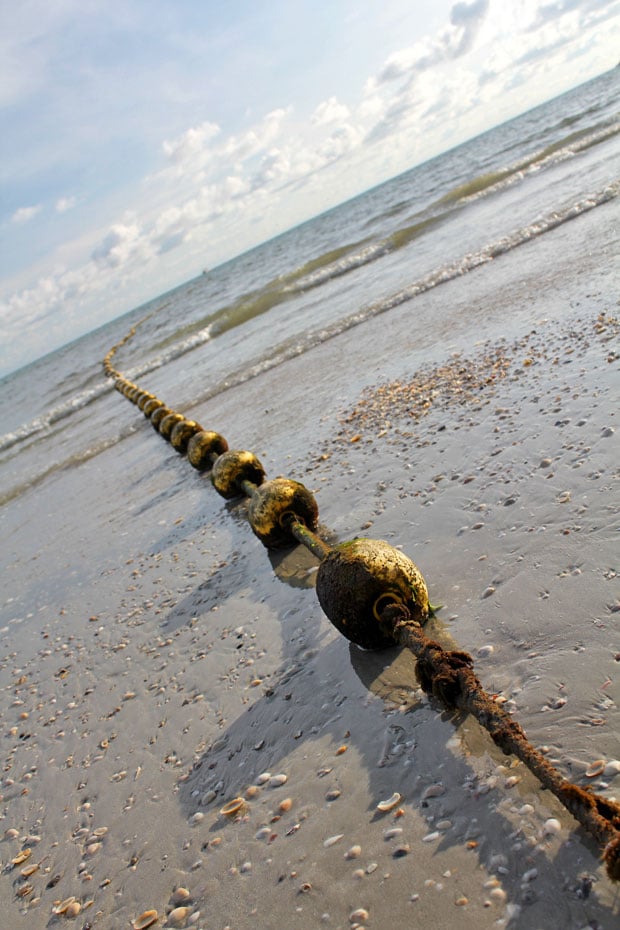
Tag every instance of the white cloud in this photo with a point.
(192, 146)
(65, 203)
(451, 42)
(123, 243)
(25, 214)
(330, 111)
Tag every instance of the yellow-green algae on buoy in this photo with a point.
(356, 580)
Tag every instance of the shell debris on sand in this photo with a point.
(390, 803)
(146, 919)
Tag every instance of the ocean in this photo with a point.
(439, 221)
(437, 360)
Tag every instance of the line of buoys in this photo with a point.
(372, 593)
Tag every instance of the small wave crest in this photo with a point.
(302, 343)
(495, 181)
(175, 351)
(48, 419)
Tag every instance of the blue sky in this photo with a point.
(142, 140)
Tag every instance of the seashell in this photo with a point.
(22, 856)
(73, 909)
(263, 778)
(11, 833)
(341, 749)
(597, 767)
(147, 919)
(252, 792)
(24, 890)
(277, 780)
(354, 852)
(331, 840)
(234, 807)
(180, 895)
(196, 818)
(389, 803)
(551, 827)
(61, 906)
(394, 831)
(612, 768)
(177, 916)
(358, 914)
(433, 791)
(332, 794)
(29, 870)
(285, 805)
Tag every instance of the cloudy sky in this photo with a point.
(142, 140)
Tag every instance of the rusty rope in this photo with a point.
(449, 676)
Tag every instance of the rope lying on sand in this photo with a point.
(373, 594)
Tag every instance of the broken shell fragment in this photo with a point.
(597, 767)
(147, 919)
(22, 856)
(390, 803)
(61, 906)
(234, 807)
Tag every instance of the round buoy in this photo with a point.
(146, 397)
(151, 406)
(233, 467)
(357, 579)
(168, 423)
(274, 502)
(158, 415)
(203, 447)
(181, 434)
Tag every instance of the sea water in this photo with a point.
(436, 222)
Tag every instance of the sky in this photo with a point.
(144, 140)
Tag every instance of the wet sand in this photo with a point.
(158, 662)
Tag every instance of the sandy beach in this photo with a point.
(159, 662)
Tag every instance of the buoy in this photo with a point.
(181, 434)
(158, 415)
(168, 423)
(233, 467)
(204, 447)
(275, 501)
(357, 579)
